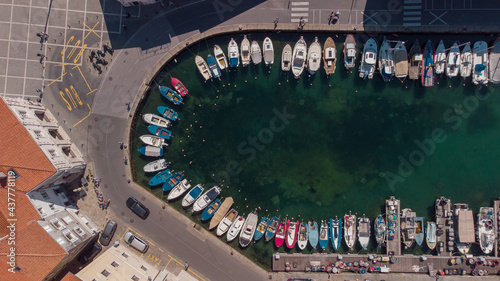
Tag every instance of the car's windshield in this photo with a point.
(131, 239)
(138, 209)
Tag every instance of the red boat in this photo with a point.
(179, 87)
(280, 234)
(291, 238)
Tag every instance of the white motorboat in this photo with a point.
(286, 58)
(245, 51)
(207, 198)
(314, 57)
(466, 61)
(400, 61)
(486, 229)
(480, 63)
(154, 119)
(495, 63)
(192, 195)
(235, 228)
(268, 51)
(233, 53)
(453, 61)
(153, 140)
(179, 189)
(369, 59)
(430, 235)
(255, 52)
(220, 57)
(299, 57)
(364, 231)
(350, 230)
(329, 56)
(349, 52)
(226, 222)
(440, 58)
(155, 166)
(202, 66)
(386, 61)
(248, 229)
(302, 236)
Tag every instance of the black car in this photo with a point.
(89, 253)
(108, 232)
(138, 208)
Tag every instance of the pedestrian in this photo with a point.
(120, 144)
(124, 27)
(127, 16)
(276, 22)
(186, 266)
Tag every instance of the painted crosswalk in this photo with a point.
(412, 12)
(299, 10)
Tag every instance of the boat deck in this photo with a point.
(496, 207)
(394, 245)
(444, 223)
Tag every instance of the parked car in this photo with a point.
(108, 233)
(136, 242)
(89, 253)
(138, 208)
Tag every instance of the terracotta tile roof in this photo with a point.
(24, 211)
(20, 152)
(70, 277)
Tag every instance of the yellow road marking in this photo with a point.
(168, 262)
(128, 228)
(79, 55)
(76, 95)
(160, 250)
(74, 49)
(84, 78)
(138, 234)
(67, 44)
(70, 97)
(56, 79)
(91, 30)
(68, 105)
(90, 111)
(91, 92)
(150, 242)
(188, 268)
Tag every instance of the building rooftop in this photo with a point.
(70, 277)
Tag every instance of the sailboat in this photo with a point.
(336, 232)
(380, 230)
(233, 53)
(466, 61)
(302, 236)
(245, 51)
(314, 57)
(367, 67)
(416, 58)
(401, 61)
(495, 63)
(329, 56)
(480, 63)
(255, 52)
(486, 229)
(350, 230)
(220, 57)
(312, 233)
(271, 229)
(386, 61)
(419, 230)
(364, 231)
(291, 237)
(286, 58)
(428, 75)
(268, 51)
(453, 61)
(440, 58)
(430, 235)
(349, 52)
(202, 66)
(323, 235)
(299, 57)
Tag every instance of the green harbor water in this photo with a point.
(319, 148)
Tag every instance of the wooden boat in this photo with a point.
(416, 58)
(286, 58)
(261, 229)
(271, 229)
(155, 166)
(220, 57)
(419, 230)
(280, 234)
(168, 113)
(430, 235)
(427, 74)
(302, 236)
(291, 237)
(173, 181)
(192, 195)
(299, 57)
(235, 229)
(214, 67)
(178, 86)
(170, 95)
(369, 59)
(329, 56)
(179, 189)
(323, 235)
(209, 196)
(400, 61)
(312, 233)
(156, 120)
(380, 230)
(202, 66)
(440, 58)
(160, 178)
(153, 140)
(160, 132)
(336, 232)
(408, 226)
(364, 232)
(221, 212)
(248, 229)
(255, 52)
(209, 211)
(268, 48)
(226, 222)
(349, 52)
(466, 61)
(495, 63)
(453, 61)
(350, 230)
(463, 227)
(233, 53)
(386, 61)
(314, 57)
(480, 63)
(486, 229)
(151, 151)
(245, 51)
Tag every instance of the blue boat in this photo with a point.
(171, 95)
(160, 131)
(160, 178)
(336, 232)
(271, 228)
(192, 195)
(151, 151)
(312, 232)
(209, 211)
(323, 235)
(172, 181)
(261, 229)
(168, 113)
(214, 68)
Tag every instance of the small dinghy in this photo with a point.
(248, 230)
(268, 51)
(256, 53)
(170, 95)
(299, 57)
(323, 235)
(453, 61)
(178, 86)
(271, 229)
(314, 57)
(440, 58)
(155, 166)
(202, 66)
(235, 229)
(214, 67)
(286, 58)
(291, 237)
(220, 57)
(369, 59)
(466, 61)
(400, 61)
(280, 234)
(160, 178)
(386, 61)
(419, 230)
(261, 229)
(153, 140)
(329, 56)
(173, 181)
(312, 233)
(226, 222)
(168, 113)
(233, 53)
(480, 63)
(349, 52)
(302, 236)
(207, 198)
(189, 199)
(151, 151)
(245, 51)
(209, 211)
(179, 189)
(155, 120)
(160, 132)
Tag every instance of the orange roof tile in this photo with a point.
(24, 211)
(70, 277)
(20, 152)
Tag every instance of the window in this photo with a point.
(45, 195)
(95, 279)
(135, 278)
(105, 272)
(23, 114)
(115, 264)
(38, 134)
(125, 255)
(52, 153)
(144, 268)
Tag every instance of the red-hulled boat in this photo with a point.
(291, 238)
(280, 234)
(179, 87)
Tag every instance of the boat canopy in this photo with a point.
(480, 67)
(370, 57)
(466, 227)
(351, 52)
(330, 54)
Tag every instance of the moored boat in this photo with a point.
(386, 61)
(268, 49)
(349, 52)
(226, 222)
(192, 195)
(430, 235)
(369, 59)
(245, 51)
(261, 229)
(214, 67)
(453, 61)
(179, 189)
(392, 218)
(168, 113)
(220, 57)
(329, 56)
(233, 53)
(178, 86)
(235, 228)
(160, 178)
(416, 58)
(314, 57)
(155, 166)
(466, 61)
(286, 58)
(400, 61)
(408, 227)
(480, 63)
(209, 211)
(153, 140)
(202, 202)
(156, 120)
(486, 229)
(170, 95)
(302, 236)
(463, 227)
(323, 235)
(291, 237)
(151, 151)
(299, 57)
(364, 231)
(495, 63)
(255, 53)
(248, 229)
(173, 181)
(440, 58)
(380, 230)
(221, 212)
(160, 132)
(271, 229)
(350, 230)
(280, 234)
(336, 232)
(419, 230)
(202, 66)
(427, 69)
(312, 233)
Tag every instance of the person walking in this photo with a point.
(276, 22)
